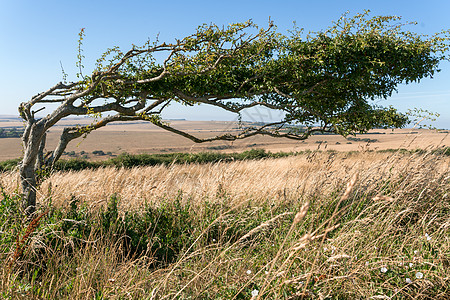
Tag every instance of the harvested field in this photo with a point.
(145, 138)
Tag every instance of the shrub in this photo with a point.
(9, 164)
(98, 152)
(75, 165)
(219, 147)
(367, 140)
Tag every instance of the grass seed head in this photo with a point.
(350, 186)
(302, 213)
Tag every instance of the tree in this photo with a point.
(324, 81)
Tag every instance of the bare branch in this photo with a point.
(215, 101)
(247, 133)
(34, 112)
(52, 100)
(35, 99)
(156, 104)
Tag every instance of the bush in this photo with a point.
(219, 147)
(133, 160)
(366, 140)
(75, 165)
(11, 132)
(10, 164)
(98, 152)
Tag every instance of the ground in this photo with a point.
(142, 137)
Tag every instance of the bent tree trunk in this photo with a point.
(33, 141)
(28, 182)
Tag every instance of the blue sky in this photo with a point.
(38, 36)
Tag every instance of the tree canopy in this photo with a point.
(324, 81)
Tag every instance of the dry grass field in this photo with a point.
(275, 179)
(139, 138)
(362, 225)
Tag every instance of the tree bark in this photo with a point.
(40, 157)
(28, 182)
(32, 144)
(64, 139)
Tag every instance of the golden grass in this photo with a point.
(338, 246)
(274, 179)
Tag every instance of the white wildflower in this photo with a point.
(408, 280)
(419, 275)
(255, 293)
(428, 237)
(415, 251)
(383, 270)
(249, 272)
(410, 265)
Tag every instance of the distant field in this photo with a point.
(146, 138)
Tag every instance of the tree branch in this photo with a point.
(246, 133)
(37, 98)
(236, 108)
